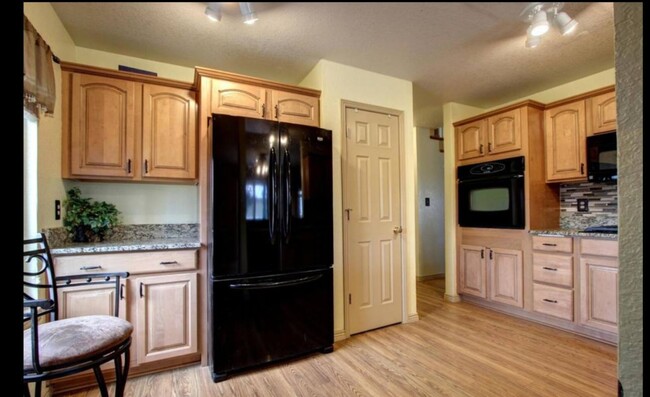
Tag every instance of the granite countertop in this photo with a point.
(573, 233)
(126, 245)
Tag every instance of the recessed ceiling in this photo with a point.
(471, 53)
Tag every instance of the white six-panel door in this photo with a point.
(373, 222)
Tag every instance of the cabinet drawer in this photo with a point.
(553, 269)
(553, 301)
(134, 262)
(599, 247)
(556, 244)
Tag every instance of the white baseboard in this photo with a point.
(340, 335)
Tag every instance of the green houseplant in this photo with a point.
(85, 220)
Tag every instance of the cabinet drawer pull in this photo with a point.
(489, 147)
(141, 290)
(550, 244)
(90, 267)
(480, 148)
(169, 263)
(549, 268)
(146, 166)
(122, 292)
(549, 300)
(128, 166)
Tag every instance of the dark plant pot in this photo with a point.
(80, 235)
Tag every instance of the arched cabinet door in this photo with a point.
(295, 108)
(504, 132)
(470, 140)
(601, 113)
(565, 139)
(168, 132)
(103, 126)
(237, 99)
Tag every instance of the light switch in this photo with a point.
(426, 201)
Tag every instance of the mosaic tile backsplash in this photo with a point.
(603, 205)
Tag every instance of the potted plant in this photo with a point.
(85, 220)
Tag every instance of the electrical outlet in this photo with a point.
(426, 201)
(57, 209)
(583, 205)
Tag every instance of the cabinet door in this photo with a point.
(472, 275)
(504, 132)
(469, 140)
(506, 276)
(168, 132)
(601, 113)
(91, 300)
(295, 108)
(102, 126)
(166, 316)
(238, 99)
(599, 293)
(565, 142)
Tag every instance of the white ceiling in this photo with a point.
(472, 53)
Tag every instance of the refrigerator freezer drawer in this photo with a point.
(265, 319)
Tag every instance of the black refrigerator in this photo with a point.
(271, 248)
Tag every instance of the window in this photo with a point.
(30, 190)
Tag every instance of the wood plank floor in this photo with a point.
(456, 349)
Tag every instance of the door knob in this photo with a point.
(397, 229)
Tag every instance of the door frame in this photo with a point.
(347, 104)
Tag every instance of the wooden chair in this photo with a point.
(56, 348)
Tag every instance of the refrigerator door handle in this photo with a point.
(276, 284)
(286, 226)
(273, 196)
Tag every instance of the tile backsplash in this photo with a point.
(603, 205)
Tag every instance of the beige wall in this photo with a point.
(340, 82)
(430, 184)
(453, 112)
(628, 27)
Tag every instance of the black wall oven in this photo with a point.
(491, 194)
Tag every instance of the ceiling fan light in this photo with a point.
(213, 12)
(248, 15)
(565, 23)
(540, 25)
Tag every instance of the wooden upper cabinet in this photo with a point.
(601, 113)
(565, 141)
(168, 132)
(470, 140)
(504, 132)
(239, 99)
(102, 126)
(127, 127)
(295, 108)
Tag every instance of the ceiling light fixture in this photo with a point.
(247, 13)
(213, 12)
(539, 14)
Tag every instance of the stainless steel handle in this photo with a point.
(90, 267)
(397, 229)
(549, 300)
(169, 263)
(549, 268)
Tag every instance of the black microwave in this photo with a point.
(601, 157)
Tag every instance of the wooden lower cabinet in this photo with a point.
(496, 273)
(166, 310)
(599, 285)
(159, 298)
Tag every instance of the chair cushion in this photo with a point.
(75, 339)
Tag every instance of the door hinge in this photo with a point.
(349, 299)
(348, 132)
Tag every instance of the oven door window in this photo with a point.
(492, 203)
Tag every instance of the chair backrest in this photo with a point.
(38, 273)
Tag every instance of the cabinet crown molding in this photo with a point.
(238, 78)
(142, 78)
